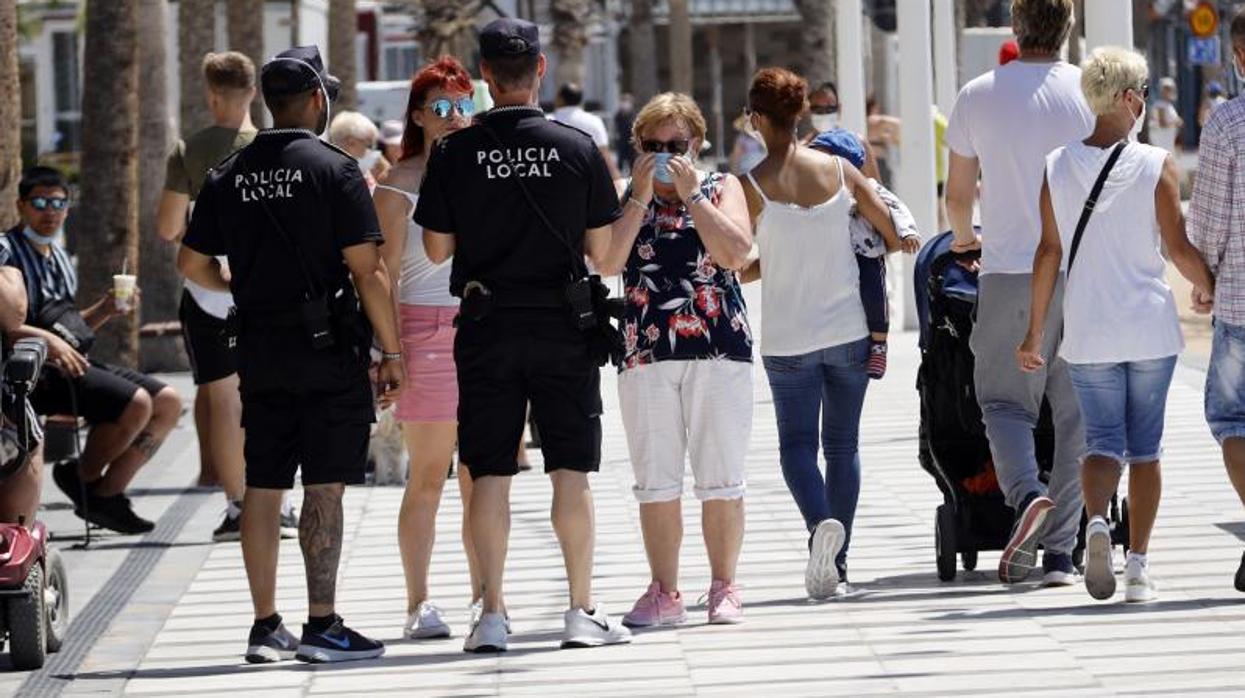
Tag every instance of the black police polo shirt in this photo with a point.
(317, 194)
(469, 190)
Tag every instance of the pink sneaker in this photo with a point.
(655, 608)
(725, 608)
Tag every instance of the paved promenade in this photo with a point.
(178, 628)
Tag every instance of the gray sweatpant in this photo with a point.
(1011, 401)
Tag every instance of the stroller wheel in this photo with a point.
(56, 597)
(1122, 524)
(945, 542)
(969, 560)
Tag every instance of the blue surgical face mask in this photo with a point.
(36, 238)
(661, 172)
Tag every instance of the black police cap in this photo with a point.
(295, 71)
(507, 37)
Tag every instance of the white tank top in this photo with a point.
(1117, 305)
(810, 287)
(421, 282)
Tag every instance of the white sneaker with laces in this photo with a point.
(821, 575)
(425, 623)
(1099, 565)
(592, 630)
(1137, 585)
(487, 635)
(476, 609)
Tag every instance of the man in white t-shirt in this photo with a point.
(568, 109)
(1003, 125)
(1165, 121)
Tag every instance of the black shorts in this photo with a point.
(101, 394)
(210, 344)
(302, 409)
(509, 360)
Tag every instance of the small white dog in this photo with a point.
(387, 450)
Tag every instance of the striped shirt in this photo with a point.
(49, 277)
(1216, 222)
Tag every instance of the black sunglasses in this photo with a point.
(677, 146)
(1144, 90)
(43, 203)
(831, 109)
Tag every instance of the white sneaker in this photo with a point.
(425, 623)
(476, 609)
(1099, 565)
(584, 630)
(821, 576)
(487, 635)
(1137, 585)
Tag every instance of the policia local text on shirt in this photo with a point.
(294, 218)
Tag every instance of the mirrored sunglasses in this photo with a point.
(444, 108)
(678, 146)
(43, 203)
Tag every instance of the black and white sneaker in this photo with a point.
(266, 646)
(229, 530)
(336, 644)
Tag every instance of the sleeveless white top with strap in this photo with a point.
(810, 288)
(421, 282)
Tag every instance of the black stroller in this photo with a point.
(953, 445)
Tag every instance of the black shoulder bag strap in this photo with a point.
(1091, 201)
(314, 290)
(578, 265)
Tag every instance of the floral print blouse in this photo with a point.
(679, 304)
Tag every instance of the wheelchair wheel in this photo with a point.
(56, 601)
(945, 542)
(27, 625)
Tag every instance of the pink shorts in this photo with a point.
(431, 393)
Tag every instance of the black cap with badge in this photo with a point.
(506, 38)
(297, 70)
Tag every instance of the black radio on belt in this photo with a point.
(477, 302)
(580, 300)
(317, 322)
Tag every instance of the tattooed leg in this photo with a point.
(165, 409)
(320, 536)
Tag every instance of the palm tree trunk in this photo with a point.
(643, 51)
(570, 36)
(245, 22)
(449, 28)
(156, 258)
(196, 36)
(343, 25)
(818, 40)
(108, 215)
(681, 77)
(10, 115)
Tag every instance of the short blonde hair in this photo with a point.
(669, 106)
(1108, 73)
(352, 124)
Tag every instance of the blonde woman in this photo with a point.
(1121, 333)
(685, 386)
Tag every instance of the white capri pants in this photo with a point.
(698, 408)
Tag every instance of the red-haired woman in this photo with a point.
(440, 103)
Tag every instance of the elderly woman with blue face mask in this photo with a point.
(1121, 331)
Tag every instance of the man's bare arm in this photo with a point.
(171, 215)
(202, 269)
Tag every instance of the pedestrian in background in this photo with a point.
(814, 336)
(1038, 89)
(1121, 331)
(1165, 121)
(1217, 229)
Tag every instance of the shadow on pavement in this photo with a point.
(1236, 528)
(1089, 608)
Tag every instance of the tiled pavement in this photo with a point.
(902, 632)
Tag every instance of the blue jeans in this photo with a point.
(1123, 405)
(828, 384)
(1225, 383)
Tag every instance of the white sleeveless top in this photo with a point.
(810, 287)
(1117, 304)
(421, 282)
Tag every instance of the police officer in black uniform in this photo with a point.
(517, 200)
(295, 219)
